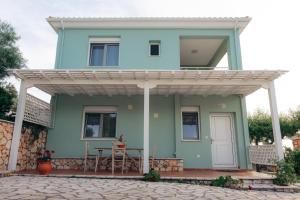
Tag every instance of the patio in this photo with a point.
(198, 174)
(16, 187)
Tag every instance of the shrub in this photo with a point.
(226, 181)
(293, 157)
(285, 173)
(152, 176)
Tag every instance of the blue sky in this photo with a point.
(271, 40)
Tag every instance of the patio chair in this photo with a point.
(118, 157)
(87, 155)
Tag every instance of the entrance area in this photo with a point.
(222, 140)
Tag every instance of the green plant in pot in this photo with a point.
(44, 162)
(152, 176)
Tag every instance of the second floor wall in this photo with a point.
(133, 48)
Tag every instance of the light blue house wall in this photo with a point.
(73, 47)
(165, 131)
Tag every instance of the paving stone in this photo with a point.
(17, 187)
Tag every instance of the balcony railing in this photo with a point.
(203, 68)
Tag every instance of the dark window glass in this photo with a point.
(190, 125)
(104, 54)
(154, 49)
(100, 125)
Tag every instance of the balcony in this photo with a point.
(204, 53)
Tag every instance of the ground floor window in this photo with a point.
(99, 122)
(190, 123)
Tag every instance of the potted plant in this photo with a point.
(44, 162)
(121, 143)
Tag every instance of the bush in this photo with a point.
(293, 157)
(285, 173)
(226, 181)
(152, 176)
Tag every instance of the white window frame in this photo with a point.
(115, 40)
(98, 109)
(154, 43)
(190, 109)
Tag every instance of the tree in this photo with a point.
(8, 99)
(10, 54)
(10, 58)
(260, 125)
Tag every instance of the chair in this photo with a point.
(87, 155)
(118, 157)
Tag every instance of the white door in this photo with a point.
(222, 137)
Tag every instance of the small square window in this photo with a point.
(154, 48)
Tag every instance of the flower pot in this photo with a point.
(121, 145)
(44, 167)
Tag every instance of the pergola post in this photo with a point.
(13, 156)
(146, 129)
(146, 86)
(275, 120)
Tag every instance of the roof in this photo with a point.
(126, 82)
(149, 22)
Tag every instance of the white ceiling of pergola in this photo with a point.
(125, 82)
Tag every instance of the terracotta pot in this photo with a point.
(121, 145)
(44, 167)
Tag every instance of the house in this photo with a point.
(154, 80)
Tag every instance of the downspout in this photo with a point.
(235, 45)
(62, 41)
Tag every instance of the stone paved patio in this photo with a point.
(16, 187)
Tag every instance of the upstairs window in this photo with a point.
(104, 52)
(154, 47)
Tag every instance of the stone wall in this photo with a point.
(28, 146)
(159, 164)
(6, 129)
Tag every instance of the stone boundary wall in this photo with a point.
(160, 164)
(28, 147)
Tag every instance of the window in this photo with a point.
(190, 123)
(104, 52)
(99, 122)
(154, 48)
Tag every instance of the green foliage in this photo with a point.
(260, 125)
(293, 157)
(8, 98)
(226, 181)
(10, 54)
(152, 176)
(285, 173)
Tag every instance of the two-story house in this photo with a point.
(155, 81)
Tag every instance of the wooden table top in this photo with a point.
(128, 149)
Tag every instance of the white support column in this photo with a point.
(146, 129)
(146, 86)
(13, 156)
(275, 120)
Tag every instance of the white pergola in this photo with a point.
(145, 82)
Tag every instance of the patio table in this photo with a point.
(101, 149)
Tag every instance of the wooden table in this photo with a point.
(101, 149)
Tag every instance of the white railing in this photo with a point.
(263, 154)
(203, 68)
(37, 111)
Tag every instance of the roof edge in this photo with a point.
(148, 22)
